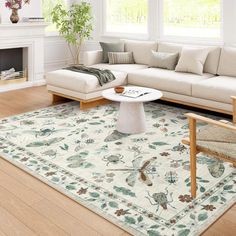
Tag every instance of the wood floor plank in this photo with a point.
(28, 216)
(226, 225)
(2, 234)
(81, 213)
(63, 219)
(24, 193)
(11, 226)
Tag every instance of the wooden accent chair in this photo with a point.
(217, 139)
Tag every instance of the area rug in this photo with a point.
(139, 182)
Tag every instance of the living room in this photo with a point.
(118, 117)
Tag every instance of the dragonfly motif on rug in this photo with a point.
(141, 171)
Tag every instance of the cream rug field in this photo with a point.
(139, 182)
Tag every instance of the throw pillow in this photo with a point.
(121, 57)
(192, 60)
(163, 60)
(111, 47)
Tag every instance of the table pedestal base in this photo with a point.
(131, 118)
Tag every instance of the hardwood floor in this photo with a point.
(30, 207)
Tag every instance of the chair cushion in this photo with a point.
(218, 88)
(81, 82)
(120, 67)
(227, 64)
(212, 61)
(166, 80)
(218, 141)
(141, 50)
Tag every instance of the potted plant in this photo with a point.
(15, 5)
(75, 25)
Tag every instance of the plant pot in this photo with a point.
(14, 16)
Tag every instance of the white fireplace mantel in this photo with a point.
(30, 36)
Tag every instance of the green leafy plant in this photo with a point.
(74, 24)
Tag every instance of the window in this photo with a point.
(47, 6)
(126, 16)
(192, 18)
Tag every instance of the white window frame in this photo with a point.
(105, 33)
(189, 39)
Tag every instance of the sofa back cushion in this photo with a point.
(211, 63)
(227, 66)
(141, 50)
(170, 47)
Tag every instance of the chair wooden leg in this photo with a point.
(193, 153)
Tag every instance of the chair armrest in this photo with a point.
(210, 121)
(92, 57)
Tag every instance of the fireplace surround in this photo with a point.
(30, 38)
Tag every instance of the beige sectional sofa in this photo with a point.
(212, 90)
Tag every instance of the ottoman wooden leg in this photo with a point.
(56, 98)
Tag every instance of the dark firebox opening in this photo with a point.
(11, 58)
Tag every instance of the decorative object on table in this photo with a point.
(15, 5)
(80, 154)
(119, 89)
(75, 25)
(217, 139)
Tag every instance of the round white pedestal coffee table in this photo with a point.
(131, 118)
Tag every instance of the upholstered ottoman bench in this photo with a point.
(81, 87)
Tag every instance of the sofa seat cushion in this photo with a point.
(166, 80)
(218, 88)
(81, 82)
(120, 67)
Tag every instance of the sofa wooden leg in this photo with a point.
(87, 105)
(193, 153)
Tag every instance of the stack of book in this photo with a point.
(33, 19)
